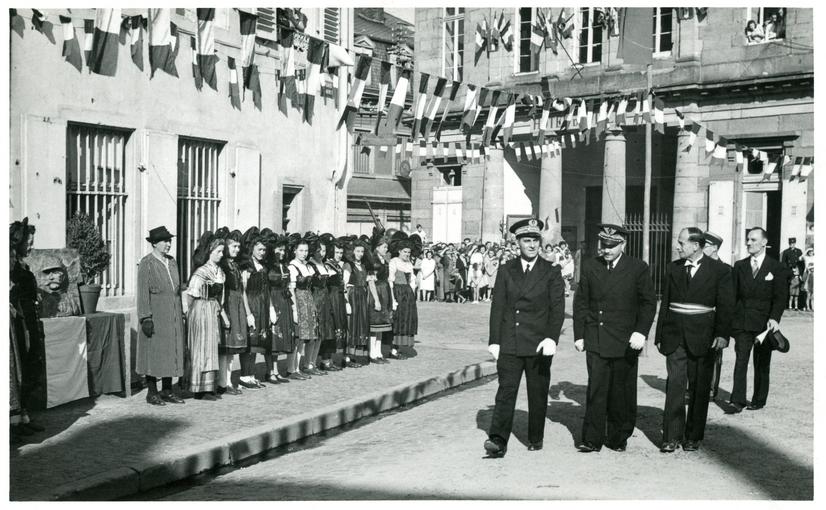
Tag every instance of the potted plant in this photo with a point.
(83, 235)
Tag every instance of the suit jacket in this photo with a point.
(610, 306)
(711, 286)
(759, 299)
(791, 257)
(526, 309)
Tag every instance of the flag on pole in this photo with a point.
(491, 120)
(315, 55)
(537, 38)
(469, 111)
(71, 47)
(635, 45)
(495, 32)
(384, 85)
(510, 117)
(356, 91)
(433, 110)
(659, 115)
(454, 89)
(104, 55)
(206, 46)
(419, 106)
(135, 26)
(234, 94)
(163, 42)
(394, 113)
(806, 168)
(565, 24)
(196, 73)
(710, 143)
(507, 35)
(481, 39)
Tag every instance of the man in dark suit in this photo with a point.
(526, 315)
(711, 249)
(761, 286)
(694, 321)
(614, 308)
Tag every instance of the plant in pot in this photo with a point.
(83, 235)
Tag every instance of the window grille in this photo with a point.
(454, 47)
(198, 196)
(96, 187)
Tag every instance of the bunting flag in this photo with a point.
(301, 88)
(469, 111)
(356, 91)
(163, 42)
(433, 110)
(481, 39)
(721, 149)
(454, 90)
(491, 120)
(537, 38)
(206, 46)
(769, 168)
(483, 94)
(692, 135)
(638, 108)
(659, 115)
(234, 94)
(103, 59)
(680, 118)
(409, 149)
(798, 162)
(196, 72)
(249, 23)
(544, 119)
(806, 168)
(739, 159)
(510, 117)
(459, 155)
(602, 118)
(646, 108)
(518, 150)
(394, 113)
(71, 47)
(445, 151)
(135, 25)
(476, 153)
(623, 104)
(384, 85)
(582, 114)
(315, 55)
(419, 106)
(422, 150)
(710, 143)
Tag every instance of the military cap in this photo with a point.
(528, 227)
(51, 263)
(611, 235)
(712, 238)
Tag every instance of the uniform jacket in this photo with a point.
(526, 309)
(711, 286)
(790, 257)
(610, 306)
(759, 299)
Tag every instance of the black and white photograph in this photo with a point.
(403, 251)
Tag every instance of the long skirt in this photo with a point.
(307, 320)
(283, 337)
(338, 307)
(204, 335)
(326, 327)
(358, 331)
(406, 316)
(382, 320)
(234, 340)
(15, 372)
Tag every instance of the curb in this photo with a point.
(228, 450)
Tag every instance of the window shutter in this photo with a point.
(331, 25)
(266, 20)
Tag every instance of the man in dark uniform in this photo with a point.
(791, 256)
(713, 243)
(526, 315)
(761, 287)
(614, 308)
(694, 321)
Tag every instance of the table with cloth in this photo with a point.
(85, 356)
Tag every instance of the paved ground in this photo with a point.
(434, 450)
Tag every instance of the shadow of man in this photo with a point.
(520, 423)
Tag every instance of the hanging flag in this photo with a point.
(798, 162)
(602, 118)
(739, 159)
(196, 72)
(510, 117)
(249, 23)
(544, 119)
(638, 107)
(206, 46)
(495, 32)
(445, 150)
(356, 91)
(769, 168)
(613, 22)
(710, 143)
(481, 39)
(71, 48)
(565, 24)
(681, 118)
(315, 55)
(234, 94)
(301, 87)
(104, 55)
(582, 114)
(384, 85)
(163, 42)
(623, 104)
(459, 154)
(40, 22)
(701, 12)
(537, 38)
(573, 140)
(659, 115)
(635, 45)
(88, 39)
(646, 108)
(433, 110)
(469, 111)
(692, 135)
(288, 88)
(506, 34)
(491, 120)
(135, 26)
(483, 94)
(419, 106)
(394, 113)
(806, 168)
(454, 90)
(720, 149)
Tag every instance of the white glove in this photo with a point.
(547, 346)
(772, 325)
(251, 321)
(273, 316)
(348, 308)
(580, 345)
(493, 349)
(637, 341)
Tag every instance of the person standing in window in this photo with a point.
(160, 349)
(754, 33)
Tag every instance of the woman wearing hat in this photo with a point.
(362, 285)
(403, 292)
(205, 316)
(380, 303)
(339, 272)
(283, 332)
(160, 349)
(304, 310)
(234, 340)
(256, 283)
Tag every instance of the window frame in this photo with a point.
(590, 44)
(458, 20)
(760, 22)
(517, 55)
(658, 33)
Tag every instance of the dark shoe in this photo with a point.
(755, 407)
(398, 356)
(205, 396)
(230, 390)
(351, 364)
(496, 448)
(669, 447)
(34, 426)
(298, 376)
(20, 430)
(155, 400)
(588, 447)
(314, 371)
(617, 447)
(329, 367)
(281, 378)
(379, 361)
(250, 385)
(272, 379)
(734, 408)
(172, 398)
(691, 445)
(532, 447)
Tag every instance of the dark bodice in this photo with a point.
(233, 274)
(279, 277)
(358, 277)
(304, 282)
(382, 271)
(214, 290)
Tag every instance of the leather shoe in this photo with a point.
(691, 445)
(669, 447)
(249, 385)
(617, 447)
(351, 364)
(495, 448)
(329, 367)
(755, 407)
(588, 447)
(172, 398)
(230, 390)
(532, 447)
(734, 408)
(155, 400)
(398, 356)
(379, 361)
(298, 376)
(205, 396)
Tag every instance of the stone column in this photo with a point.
(613, 178)
(493, 196)
(690, 193)
(550, 198)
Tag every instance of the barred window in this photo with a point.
(454, 43)
(590, 36)
(198, 196)
(96, 187)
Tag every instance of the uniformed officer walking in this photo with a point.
(713, 243)
(614, 308)
(526, 315)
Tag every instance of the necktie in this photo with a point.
(754, 268)
(527, 268)
(688, 272)
(610, 267)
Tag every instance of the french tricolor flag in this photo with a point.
(384, 85)
(71, 48)
(510, 117)
(103, 59)
(433, 110)
(419, 106)
(454, 89)
(234, 94)
(490, 123)
(248, 24)
(135, 27)
(163, 42)
(356, 91)
(206, 46)
(315, 55)
(471, 101)
(394, 113)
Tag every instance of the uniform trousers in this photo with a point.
(537, 370)
(684, 367)
(743, 345)
(715, 377)
(611, 405)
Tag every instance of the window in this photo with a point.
(331, 25)
(454, 48)
(361, 160)
(769, 24)
(221, 19)
(662, 31)
(266, 23)
(527, 61)
(198, 197)
(96, 187)
(590, 36)
(291, 208)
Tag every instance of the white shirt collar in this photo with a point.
(614, 262)
(525, 263)
(689, 262)
(759, 259)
